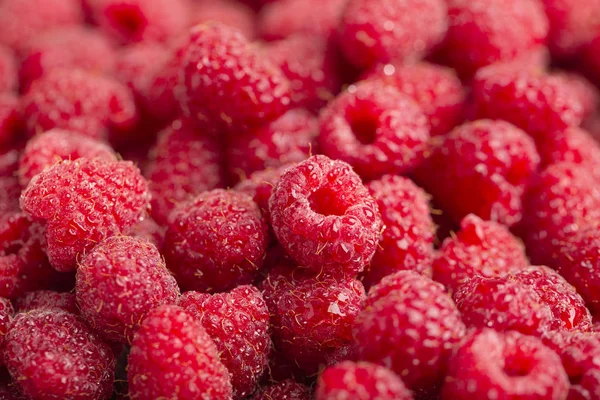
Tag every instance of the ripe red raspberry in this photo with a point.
(324, 217)
(436, 89)
(312, 313)
(561, 200)
(47, 300)
(80, 101)
(185, 161)
(11, 120)
(172, 356)
(23, 20)
(360, 381)
(45, 150)
(52, 354)
(71, 47)
(585, 91)
(482, 32)
(310, 64)
(290, 138)
(536, 102)
(573, 145)
(238, 322)
(83, 202)
(481, 248)
(229, 80)
(374, 128)
(409, 325)
(151, 231)
(216, 241)
(407, 240)
(285, 18)
(130, 21)
(288, 390)
(136, 64)
(480, 168)
(8, 70)
(119, 282)
(226, 12)
(506, 365)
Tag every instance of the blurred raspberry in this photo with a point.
(288, 390)
(8, 70)
(47, 300)
(573, 145)
(11, 120)
(151, 231)
(591, 58)
(6, 316)
(585, 91)
(226, 12)
(10, 189)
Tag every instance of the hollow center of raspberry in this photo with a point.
(364, 127)
(326, 201)
(128, 20)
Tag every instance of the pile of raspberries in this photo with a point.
(300, 199)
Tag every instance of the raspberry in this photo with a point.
(538, 103)
(409, 325)
(130, 21)
(288, 390)
(310, 64)
(71, 47)
(374, 31)
(8, 70)
(587, 94)
(375, 129)
(481, 167)
(83, 202)
(148, 229)
(407, 240)
(561, 200)
(52, 354)
(574, 145)
(324, 217)
(482, 32)
(10, 189)
(225, 77)
(503, 304)
(285, 18)
(47, 300)
(11, 121)
(238, 322)
(361, 381)
(45, 150)
(119, 282)
(80, 101)
(312, 314)
(185, 161)
(506, 365)
(591, 58)
(480, 248)
(6, 317)
(226, 12)
(172, 356)
(436, 89)
(23, 20)
(216, 241)
(288, 139)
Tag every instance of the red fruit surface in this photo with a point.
(324, 217)
(6, 316)
(288, 390)
(11, 121)
(573, 145)
(409, 325)
(151, 231)
(172, 356)
(591, 58)
(10, 189)
(482, 248)
(223, 251)
(227, 79)
(52, 354)
(8, 70)
(586, 92)
(511, 365)
(47, 300)
(226, 12)
(238, 323)
(360, 381)
(83, 202)
(374, 128)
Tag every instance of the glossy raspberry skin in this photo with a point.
(185, 161)
(83, 202)
(71, 47)
(482, 32)
(511, 365)
(573, 145)
(361, 381)
(287, 389)
(130, 21)
(55, 145)
(226, 250)
(481, 167)
(8, 70)
(226, 12)
(52, 354)
(290, 138)
(215, 59)
(80, 101)
(407, 241)
(409, 325)
(324, 217)
(11, 120)
(375, 129)
(238, 323)
(436, 89)
(46, 300)
(482, 248)
(173, 356)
